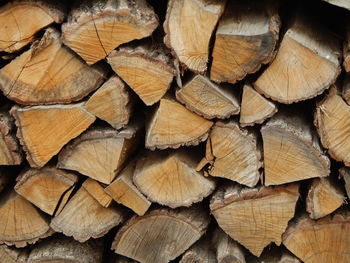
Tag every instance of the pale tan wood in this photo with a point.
(96, 190)
(341, 3)
(161, 235)
(123, 191)
(200, 252)
(83, 217)
(44, 130)
(172, 126)
(49, 73)
(188, 27)
(255, 217)
(345, 173)
(207, 99)
(147, 68)
(255, 108)
(292, 151)
(170, 178)
(45, 187)
(233, 153)
(94, 30)
(13, 255)
(245, 39)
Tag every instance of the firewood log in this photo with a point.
(161, 235)
(207, 99)
(291, 148)
(201, 252)
(345, 173)
(254, 217)
(146, 68)
(19, 29)
(170, 178)
(341, 3)
(96, 190)
(292, 76)
(47, 188)
(188, 28)
(245, 39)
(233, 153)
(95, 28)
(49, 73)
(54, 126)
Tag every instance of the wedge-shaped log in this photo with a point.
(161, 235)
(292, 151)
(96, 190)
(254, 217)
(246, 38)
(201, 252)
(49, 73)
(188, 26)
(170, 178)
(94, 29)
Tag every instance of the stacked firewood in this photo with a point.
(189, 130)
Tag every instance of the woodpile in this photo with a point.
(191, 131)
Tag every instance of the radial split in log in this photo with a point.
(161, 235)
(172, 126)
(254, 217)
(171, 179)
(94, 31)
(345, 173)
(246, 38)
(188, 26)
(54, 126)
(96, 190)
(200, 252)
(207, 99)
(341, 3)
(292, 151)
(292, 76)
(146, 68)
(49, 73)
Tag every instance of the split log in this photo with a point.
(49, 73)
(166, 128)
(324, 240)
(47, 188)
(19, 29)
(99, 153)
(146, 68)
(160, 235)
(94, 29)
(341, 3)
(200, 252)
(83, 217)
(112, 103)
(345, 173)
(254, 217)
(291, 148)
(255, 108)
(245, 39)
(20, 222)
(233, 153)
(207, 99)
(323, 198)
(96, 190)
(54, 126)
(170, 178)
(292, 76)
(123, 191)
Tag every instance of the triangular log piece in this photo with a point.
(161, 235)
(172, 126)
(245, 39)
(46, 187)
(207, 99)
(324, 240)
(341, 3)
(200, 252)
(233, 153)
(345, 173)
(292, 75)
(123, 191)
(171, 179)
(13, 254)
(291, 148)
(83, 217)
(20, 29)
(188, 27)
(54, 126)
(112, 102)
(254, 217)
(255, 108)
(146, 68)
(49, 73)
(96, 190)
(94, 30)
